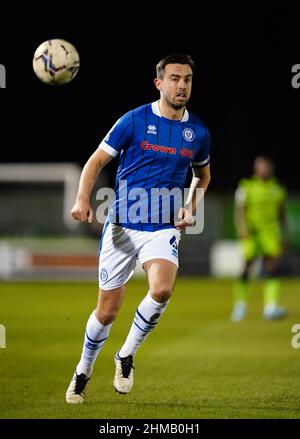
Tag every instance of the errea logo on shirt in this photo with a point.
(151, 129)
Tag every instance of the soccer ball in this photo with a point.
(56, 62)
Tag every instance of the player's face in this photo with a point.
(176, 85)
(263, 168)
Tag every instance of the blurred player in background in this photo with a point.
(262, 229)
(157, 143)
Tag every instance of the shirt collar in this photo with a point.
(156, 111)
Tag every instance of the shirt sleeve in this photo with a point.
(202, 158)
(283, 194)
(119, 136)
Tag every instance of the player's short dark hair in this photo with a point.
(175, 58)
(265, 158)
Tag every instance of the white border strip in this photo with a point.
(111, 151)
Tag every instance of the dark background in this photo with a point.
(242, 86)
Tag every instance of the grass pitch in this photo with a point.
(195, 364)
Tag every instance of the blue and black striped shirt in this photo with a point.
(155, 152)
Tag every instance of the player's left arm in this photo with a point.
(198, 186)
(286, 241)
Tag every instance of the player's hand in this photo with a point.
(186, 219)
(82, 211)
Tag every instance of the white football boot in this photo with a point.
(274, 312)
(123, 380)
(239, 311)
(76, 392)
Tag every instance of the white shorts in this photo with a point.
(121, 247)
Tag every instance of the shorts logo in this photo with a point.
(188, 134)
(103, 275)
(173, 243)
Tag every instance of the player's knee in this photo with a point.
(245, 272)
(271, 267)
(271, 271)
(244, 276)
(106, 317)
(161, 294)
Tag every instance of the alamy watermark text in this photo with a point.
(2, 336)
(154, 206)
(2, 76)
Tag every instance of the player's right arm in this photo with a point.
(82, 210)
(240, 213)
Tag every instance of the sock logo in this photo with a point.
(154, 317)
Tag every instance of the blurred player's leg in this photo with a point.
(272, 310)
(97, 331)
(249, 248)
(240, 295)
(161, 277)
